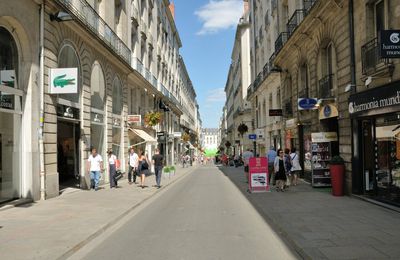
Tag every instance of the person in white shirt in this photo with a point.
(246, 158)
(95, 166)
(133, 162)
(296, 167)
(112, 163)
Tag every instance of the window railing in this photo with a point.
(93, 22)
(325, 86)
(281, 40)
(308, 5)
(295, 20)
(371, 58)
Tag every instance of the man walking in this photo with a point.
(271, 155)
(158, 162)
(246, 158)
(133, 161)
(95, 166)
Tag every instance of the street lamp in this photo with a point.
(61, 17)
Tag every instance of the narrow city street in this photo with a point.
(203, 216)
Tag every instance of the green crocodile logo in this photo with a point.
(9, 83)
(59, 81)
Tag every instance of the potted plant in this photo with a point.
(172, 169)
(185, 137)
(167, 169)
(152, 118)
(242, 128)
(337, 170)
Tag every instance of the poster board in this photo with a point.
(258, 175)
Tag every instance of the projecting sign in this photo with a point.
(63, 81)
(131, 119)
(307, 103)
(252, 136)
(390, 44)
(7, 78)
(275, 112)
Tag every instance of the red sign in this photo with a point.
(134, 119)
(258, 174)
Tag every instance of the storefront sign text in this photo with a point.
(390, 44)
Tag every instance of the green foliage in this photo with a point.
(337, 160)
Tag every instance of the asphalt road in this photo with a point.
(203, 216)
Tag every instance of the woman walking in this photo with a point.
(112, 168)
(296, 167)
(280, 172)
(143, 168)
(288, 166)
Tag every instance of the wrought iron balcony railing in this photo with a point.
(371, 58)
(295, 20)
(325, 86)
(86, 15)
(308, 5)
(280, 41)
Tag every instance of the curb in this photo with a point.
(114, 221)
(15, 203)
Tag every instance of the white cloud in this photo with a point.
(219, 15)
(215, 96)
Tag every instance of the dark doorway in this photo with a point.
(68, 134)
(368, 156)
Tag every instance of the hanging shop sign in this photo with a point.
(7, 78)
(390, 43)
(134, 119)
(7, 101)
(379, 100)
(324, 137)
(177, 134)
(275, 112)
(328, 111)
(252, 136)
(258, 174)
(291, 123)
(63, 81)
(307, 103)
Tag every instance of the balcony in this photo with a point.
(308, 5)
(281, 40)
(371, 58)
(143, 28)
(295, 20)
(86, 15)
(287, 108)
(135, 14)
(138, 65)
(258, 80)
(325, 86)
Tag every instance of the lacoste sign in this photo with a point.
(63, 81)
(390, 44)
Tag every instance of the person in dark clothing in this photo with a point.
(280, 171)
(158, 162)
(112, 163)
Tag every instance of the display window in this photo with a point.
(10, 118)
(117, 101)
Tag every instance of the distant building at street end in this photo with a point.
(210, 138)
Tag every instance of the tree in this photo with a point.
(242, 128)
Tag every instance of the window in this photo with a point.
(69, 59)
(97, 126)
(10, 118)
(117, 97)
(304, 82)
(117, 101)
(379, 17)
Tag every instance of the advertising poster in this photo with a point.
(258, 174)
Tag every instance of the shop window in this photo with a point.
(117, 105)
(304, 82)
(97, 128)
(10, 118)
(117, 97)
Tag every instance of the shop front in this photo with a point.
(376, 132)
(10, 119)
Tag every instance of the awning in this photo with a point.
(145, 136)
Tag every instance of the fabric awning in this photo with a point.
(145, 136)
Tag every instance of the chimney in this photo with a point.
(172, 9)
(245, 6)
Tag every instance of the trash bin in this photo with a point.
(337, 179)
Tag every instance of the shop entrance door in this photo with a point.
(368, 151)
(68, 134)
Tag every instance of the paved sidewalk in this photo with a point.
(320, 226)
(58, 227)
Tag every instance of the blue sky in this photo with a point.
(207, 30)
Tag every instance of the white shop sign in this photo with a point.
(63, 81)
(324, 137)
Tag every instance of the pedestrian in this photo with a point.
(288, 166)
(143, 168)
(296, 167)
(246, 159)
(133, 162)
(158, 162)
(95, 167)
(271, 155)
(280, 172)
(112, 168)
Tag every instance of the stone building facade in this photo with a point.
(127, 59)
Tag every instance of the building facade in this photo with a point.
(126, 54)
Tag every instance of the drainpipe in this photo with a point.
(353, 123)
(41, 104)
